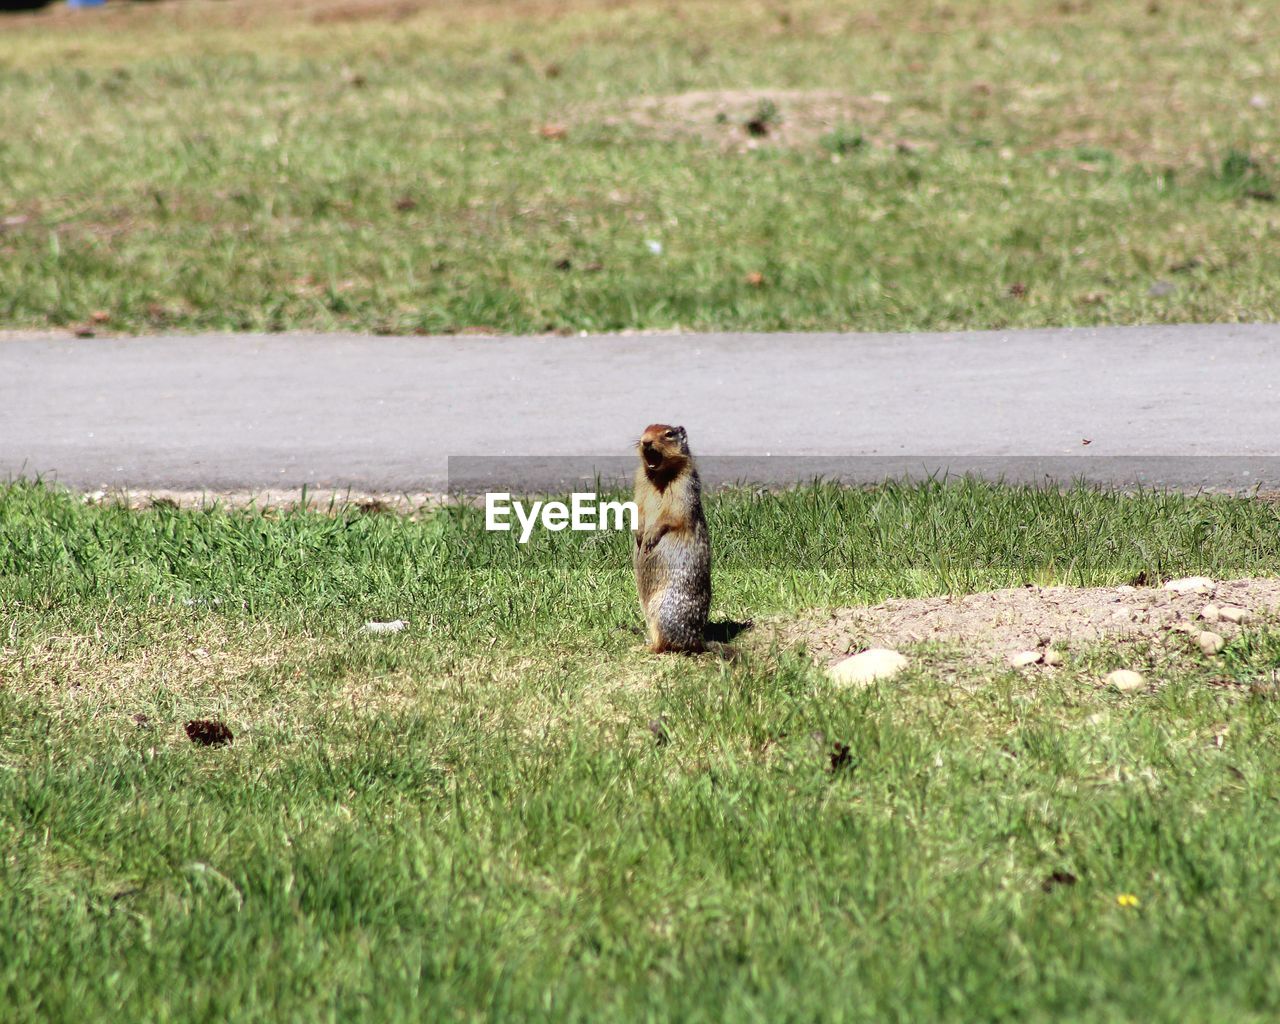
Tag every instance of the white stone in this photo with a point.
(1024, 658)
(867, 666)
(1053, 657)
(1125, 680)
(1210, 613)
(1210, 643)
(1191, 585)
(1237, 615)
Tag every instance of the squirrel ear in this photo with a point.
(680, 431)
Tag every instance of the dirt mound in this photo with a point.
(748, 118)
(998, 623)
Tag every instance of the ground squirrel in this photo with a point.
(673, 547)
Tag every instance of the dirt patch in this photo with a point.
(274, 499)
(750, 118)
(367, 10)
(993, 625)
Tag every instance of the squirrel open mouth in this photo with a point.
(652, 457)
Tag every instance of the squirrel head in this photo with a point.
(664, 450)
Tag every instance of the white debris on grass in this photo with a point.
(867, 666)
(394, 626)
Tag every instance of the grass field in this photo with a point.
(431, 166)
(511, 812)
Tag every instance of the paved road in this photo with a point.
(1183, 406)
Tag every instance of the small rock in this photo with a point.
(867, 667)
(1024, 658)
(1191, 585)
(395, 626)
(1053, 657)
(1125, 588)
(1210, 613)
(1210, 643)
(1161, 289)
(1122, 614)
(1125, 680)
(1238, 616)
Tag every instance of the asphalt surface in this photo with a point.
(1182, 406)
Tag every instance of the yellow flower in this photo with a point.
(1126, 899)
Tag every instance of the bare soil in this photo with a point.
(749, 118)
(279, 499)
(993, 625)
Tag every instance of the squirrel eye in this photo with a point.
(671, 435)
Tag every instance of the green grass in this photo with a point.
(380, 167)
(472, 819)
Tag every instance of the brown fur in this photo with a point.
(672, 554)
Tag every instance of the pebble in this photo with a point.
(1125, 680)
(1239, 616)
(1024, 658)
(1052, 657)
(1210, 613)
(395, 626)
(1191, 585)
(867, 666)
(1210, 643)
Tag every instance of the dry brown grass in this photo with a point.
(205, 666)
